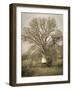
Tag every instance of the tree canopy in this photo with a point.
(42, 33)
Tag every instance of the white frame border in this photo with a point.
(55, 78)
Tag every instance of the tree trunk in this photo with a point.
(43, 60)
(54, 56)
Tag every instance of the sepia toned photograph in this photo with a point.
(41, 44)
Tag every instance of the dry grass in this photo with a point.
(42, 71)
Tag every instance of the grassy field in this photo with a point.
(41, 70)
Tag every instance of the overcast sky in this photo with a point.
(27, 17)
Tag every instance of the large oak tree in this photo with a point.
(43, 34)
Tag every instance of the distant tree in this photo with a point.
(42, 33)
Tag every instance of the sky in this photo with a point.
(27, 17)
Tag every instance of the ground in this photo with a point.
(40, 70)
